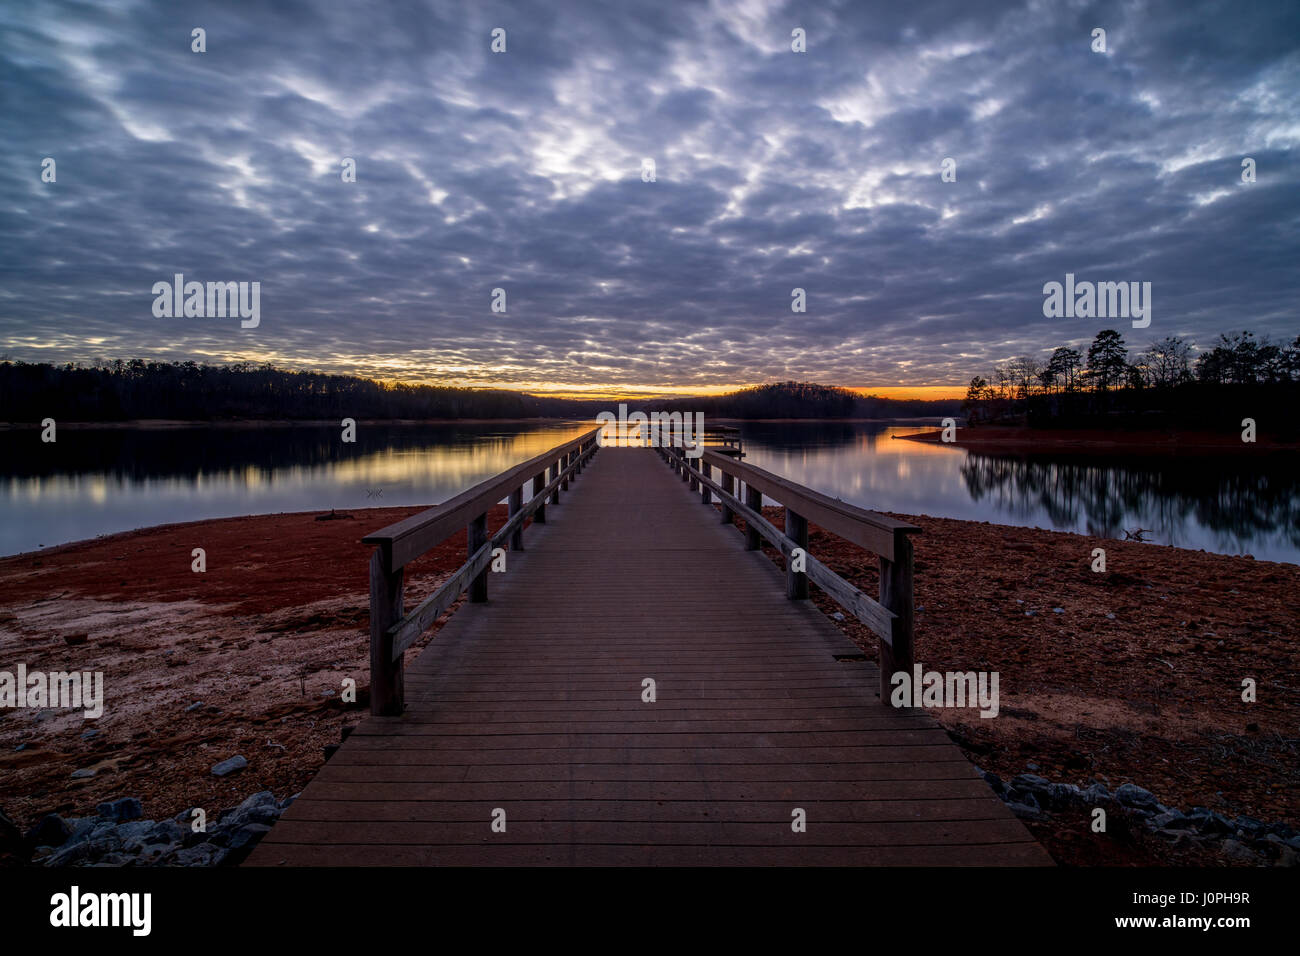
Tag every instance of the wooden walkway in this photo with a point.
(532, 704)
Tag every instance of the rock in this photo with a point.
(90, 734)
(259, 808)
(68, 855)
(1058, 610)
(194, 706)
(202, 854)
(1131, 795)
(1210, 822)
(994, 781)
(82, 774)
(288, 801)
(134, 831)
(1031, 766)
(838, 615)
(1239, 851)
(229, 766)
(1249, 826)
(1063, 794)
(165, 831)
(51, 831)
(1023, 797)
(156, 854)
(1097, 793)
(86, 828)
(120, 811)
(1171, 820)
(1024, 811)
(1288, 857)
(248, 834)
(1030, 781)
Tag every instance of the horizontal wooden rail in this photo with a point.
(890, 617)
(392, 630)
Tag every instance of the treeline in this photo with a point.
(1169, 382)
(809, 400)
(187, 391)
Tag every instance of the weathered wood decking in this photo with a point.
(532, 703)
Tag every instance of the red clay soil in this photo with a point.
(1137, 678)
(263, 640)
(1093, 442)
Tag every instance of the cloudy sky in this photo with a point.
(522, 170)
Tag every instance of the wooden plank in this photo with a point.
(532, 702)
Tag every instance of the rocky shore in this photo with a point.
(118, 835)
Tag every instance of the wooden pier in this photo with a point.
(641, 687)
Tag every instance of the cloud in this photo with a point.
(522, 171)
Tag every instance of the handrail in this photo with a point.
(890, 617)
(392, 629)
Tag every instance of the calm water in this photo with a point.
(93, 482)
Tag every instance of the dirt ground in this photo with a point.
(1137, 677)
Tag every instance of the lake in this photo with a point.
(97, 481)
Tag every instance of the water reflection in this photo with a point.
(1179, 499)
(103, 480)
(97, 481)
(1219, 504)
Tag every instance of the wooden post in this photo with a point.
(796, 582)
(683, 465)
(539, 482)
(516, 506)
(897, 653)
(565, 460)
(729, 486)
(693, 470)
(706, 493)
(387, 687)
(476, 537)
(552, 473)
(753, 500)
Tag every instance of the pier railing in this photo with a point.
(392, 628)
(890, 617)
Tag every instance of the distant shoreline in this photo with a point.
(161, 423)
(1094, 441)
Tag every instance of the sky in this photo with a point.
(524, 171)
